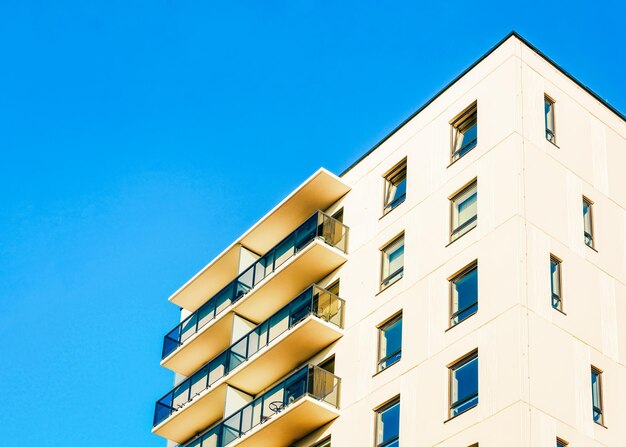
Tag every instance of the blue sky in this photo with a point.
(139, 138)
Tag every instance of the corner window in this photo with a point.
(388, 424)
(464, 210)
(548, 109)
(393, 262)
(464, 294)
(464, 384)
(555, 282)
(464, 132)
(395, 187)
(390, 342)
(596, 395)
(588, 221)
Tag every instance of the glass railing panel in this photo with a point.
(323, 385)
(308, 381)
(318, 226)
(313, 301)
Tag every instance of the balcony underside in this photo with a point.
(296, 421)
(321, 190)
(201, 347)
(194, 416)
(284, 354)
(311, 264)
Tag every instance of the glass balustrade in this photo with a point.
(319, 226)
(313, 301)
(310, 381)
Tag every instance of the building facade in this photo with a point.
(461, 284)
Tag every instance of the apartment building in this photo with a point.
(462, 284)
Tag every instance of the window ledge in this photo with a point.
(468, 231)
(391, 210)
(464, 319)
(387, 287)
(589, 246)
(553, 144)
(559, 311)
(385, 369)
(601, 424)
(463, 412)
(461, 157)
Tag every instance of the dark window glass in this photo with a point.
(388, 425)
(464, 211)
(390, 343)
(588, 221)
(596, 395)
(555, 282)
(395, 187)
(393, 262)
(549, 120)
(465, 133)
(464, 294)
(464, 385)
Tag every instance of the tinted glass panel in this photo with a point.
(464, 295)
(388, 425)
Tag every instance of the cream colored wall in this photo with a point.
(534, 362)
(590, 147)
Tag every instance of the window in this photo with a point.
(555, 282)
(328, 365)
(464, 294)
(464, 211)
(549, 119)
(395, 187)
(596, 395)
(588, 221)
(338, 215)
(390, 342)
(464, 132)
(464, 384)
(388, 424)
(393, 261)
(333, 288)
(561, 443)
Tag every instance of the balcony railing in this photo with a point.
(313, 301)
(319, 226)
(308, 381)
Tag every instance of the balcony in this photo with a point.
(303, 402)
(318, 192)
(313, 250)
(308, 324)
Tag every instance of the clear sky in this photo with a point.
(140, 137)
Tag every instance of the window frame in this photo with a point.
(392, 277)
(326, 442)
(378, 411)
(550, 134)
(451, 282)
(470, 224)
(380, 330)
(399, 170)
(455, 129)
(600, 410)
(454, 366)
(560, 442)
(559, 296)
(588, 235)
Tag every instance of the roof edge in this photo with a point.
(467, 70)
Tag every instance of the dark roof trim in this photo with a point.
(488, 53)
